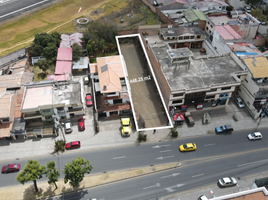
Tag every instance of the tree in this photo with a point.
(31, 172)
(46, 66)
(77, 51)
(95, 44)
(75, 171)
(258, 14)
(52, 173)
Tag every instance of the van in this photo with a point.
(86, 80)
(188, 118)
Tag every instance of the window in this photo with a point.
(168, 38)
(122, 79)
(198, 37)
(211, 26)
(226, 88)
(180, 38)
(178, 95)
(209, 31)
(177, 101)
(210, 97)
(207, 28)
(246, 80)
(48, 117)
(186, 37)
(46, 110)
(213, 90)
(111, 93)
(37, 112)
(192, 37)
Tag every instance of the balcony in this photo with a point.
(32, 116)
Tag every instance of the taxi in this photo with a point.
(188, 147)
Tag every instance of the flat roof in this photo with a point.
(200, 74)
(258, 66)
(37, 96)
(11, 81)
(69, 94)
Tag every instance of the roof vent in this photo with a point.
(104, 87)
(171, 54)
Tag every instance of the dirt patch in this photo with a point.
(27, 191)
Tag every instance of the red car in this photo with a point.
(89, 99)
(73, 145)
(11, 168)
(81, 124)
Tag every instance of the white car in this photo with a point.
(239, 102)
(255, 136)
(202, 197)
(247, 9)
(227, 182)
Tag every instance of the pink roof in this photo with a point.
(227, 32)
(57, 77)
(63, 67)
(37, 96)
(65, 54)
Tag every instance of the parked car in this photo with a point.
(202, 197)
(89, 99)
(227, 182)
(10, 168)
(188, 147)
(73, 145)
(255, 136)
(224, 129)
(247, 9)
(86, 80)
(68, 126)
(188, 118)
(81, 124)
(239, 102)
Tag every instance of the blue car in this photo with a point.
(224, 129)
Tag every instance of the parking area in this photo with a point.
(145, 96)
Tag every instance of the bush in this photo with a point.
(142, 137)
(60, 145)
(174, 134)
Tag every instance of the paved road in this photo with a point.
(186, 177)
(119, 158)
(13, 8)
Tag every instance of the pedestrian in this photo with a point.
(154, 131)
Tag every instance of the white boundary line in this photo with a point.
(155, 80)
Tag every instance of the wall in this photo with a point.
(209, 48)
(219, 43)
(259, 42)
(127, 32)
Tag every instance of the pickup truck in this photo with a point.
(224, 129)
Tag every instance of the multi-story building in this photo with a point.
(44, 101)
(112, 99)
(188, 77)
(254, 87)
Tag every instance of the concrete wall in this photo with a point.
(219, 43)
(209, 48)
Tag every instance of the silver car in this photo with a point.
(239, 102)
(255, 136)
(68, 126)
(227, 182)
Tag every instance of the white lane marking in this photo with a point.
(156, 185)
(160, 146)
(161, 158)
(174, 174)
(22, 9)
(197, 175)
(169, 189)
(165, 151)
(119, 157)
(252, 163)
(209, 144)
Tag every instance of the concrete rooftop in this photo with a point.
(201, 74)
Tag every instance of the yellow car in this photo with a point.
(188, 147)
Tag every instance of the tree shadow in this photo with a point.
(70, 193)
(29, 193)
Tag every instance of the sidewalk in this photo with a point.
(109, 135)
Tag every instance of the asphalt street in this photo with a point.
(13, 8)
(148, 154)
(186, 177)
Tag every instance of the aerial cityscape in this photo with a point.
(133, 99)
